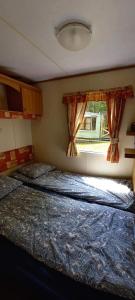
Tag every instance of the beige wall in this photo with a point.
(50, 134)
(14, 134)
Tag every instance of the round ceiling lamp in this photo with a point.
(74, 36)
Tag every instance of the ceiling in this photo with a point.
(28, 46)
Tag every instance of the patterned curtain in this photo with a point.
(115, 99)
(99, 95)
(115, 109)
(76, 111)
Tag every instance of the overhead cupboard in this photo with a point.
(19, 99)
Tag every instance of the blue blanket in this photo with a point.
(90, 243)
(112, 192)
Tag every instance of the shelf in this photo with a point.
(129, 153)
(17, 115)
(132, 133)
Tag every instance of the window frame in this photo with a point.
(98, 139)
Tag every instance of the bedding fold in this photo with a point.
(112, 192)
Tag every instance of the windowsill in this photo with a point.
(92, 152)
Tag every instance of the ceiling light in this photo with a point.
(74, 36)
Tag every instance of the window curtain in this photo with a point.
(115, 99)
(76, 111)
(115, 109)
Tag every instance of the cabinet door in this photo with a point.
(32, 101)
(37, 102)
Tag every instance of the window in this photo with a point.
(93, 135)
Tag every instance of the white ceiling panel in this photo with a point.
(33, 23)
(19, 56)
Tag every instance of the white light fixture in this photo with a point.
(74, 36)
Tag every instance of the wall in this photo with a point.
(14, 134)
(50, 134)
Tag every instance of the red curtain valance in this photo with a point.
(99, 95)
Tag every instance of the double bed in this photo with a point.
(63, 248)
(104, 191)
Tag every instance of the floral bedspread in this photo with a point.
(112, 192)
(91, 243)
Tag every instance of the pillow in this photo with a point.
(35, 170)
(7, 185)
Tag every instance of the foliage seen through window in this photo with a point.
(93, 135)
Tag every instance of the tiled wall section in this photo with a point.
(14, 134)
(13, 158)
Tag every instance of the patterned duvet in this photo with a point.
(116, 193)
(91, 243)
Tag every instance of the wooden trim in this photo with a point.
(37, 89)
(88, 73)
(16, 84)
(10, 82)
(18, 115)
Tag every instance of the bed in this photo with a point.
(112, 192)
(90, 246)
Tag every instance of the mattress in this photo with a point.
(90, 243)
(112, 192)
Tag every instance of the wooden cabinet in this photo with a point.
(22, 98)
(32, 101)
(14, 99)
